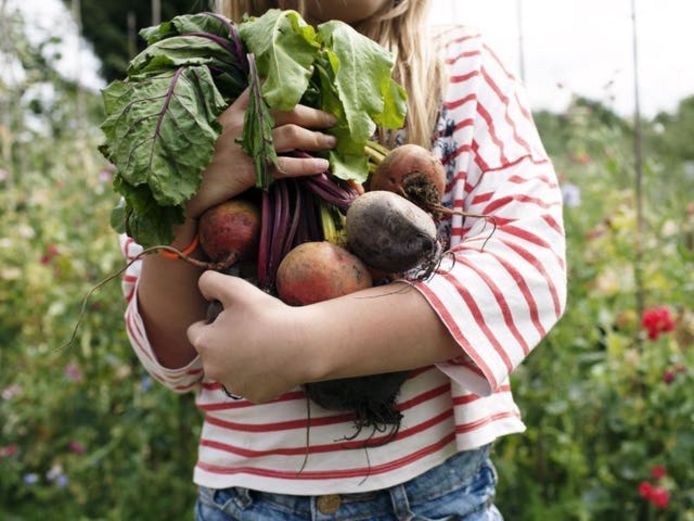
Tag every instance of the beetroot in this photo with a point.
(414, 173)
(390, 233)
(317, 271)
(230, 229)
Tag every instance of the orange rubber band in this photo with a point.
(190, 249)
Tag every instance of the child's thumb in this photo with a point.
(218, 286)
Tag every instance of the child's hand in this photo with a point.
(231, 171)
(254, 347)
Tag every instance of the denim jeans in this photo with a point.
(460, 489)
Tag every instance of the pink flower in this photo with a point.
(76, 447)
(11, 391)
(645, 490)
(658, 472)
(8, 450)
(657, 320)
(73, 372)
(660, 497)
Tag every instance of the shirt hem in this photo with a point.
(352, 485)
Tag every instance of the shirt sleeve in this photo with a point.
(179, 380)
(502, 285)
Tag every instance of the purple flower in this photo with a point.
(30, 478)
(571, 194)
(61, 481)
(146, 383)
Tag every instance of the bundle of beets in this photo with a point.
(304, 240)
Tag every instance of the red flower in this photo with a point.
(645, 490)
(668, 376)
(51, 251)
(656, 321)
(8, 450)
(660, 497)
(658, 472)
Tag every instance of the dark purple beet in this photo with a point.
(371, 398)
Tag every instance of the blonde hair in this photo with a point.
(401, 27)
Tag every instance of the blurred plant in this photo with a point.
(79, 437)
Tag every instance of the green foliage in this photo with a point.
(89, 431)
(83, 432)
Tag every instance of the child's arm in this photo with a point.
(259, 347)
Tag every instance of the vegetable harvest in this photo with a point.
(309, 239)
(161, 122)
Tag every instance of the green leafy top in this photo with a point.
(161, 122)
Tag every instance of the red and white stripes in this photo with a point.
(499, 291)
(502, 288)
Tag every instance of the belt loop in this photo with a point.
(401, 505)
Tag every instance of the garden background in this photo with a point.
(85, 434)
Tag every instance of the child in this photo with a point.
(463, 331)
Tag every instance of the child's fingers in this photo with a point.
(294, 137)
(305, 117)
(298, 167)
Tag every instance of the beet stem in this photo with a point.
(263, 242)
(291, 236)
(278, 233)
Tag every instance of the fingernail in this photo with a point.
(321, 164)
(330, 119)
(330, 141)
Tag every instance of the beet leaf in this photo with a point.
(155, 143)
(355, 75)
(285, 48)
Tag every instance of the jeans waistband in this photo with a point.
(428, 486)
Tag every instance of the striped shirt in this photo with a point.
(497, 293)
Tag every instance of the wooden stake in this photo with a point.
(638, 167)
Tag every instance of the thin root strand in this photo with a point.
(218, 266)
